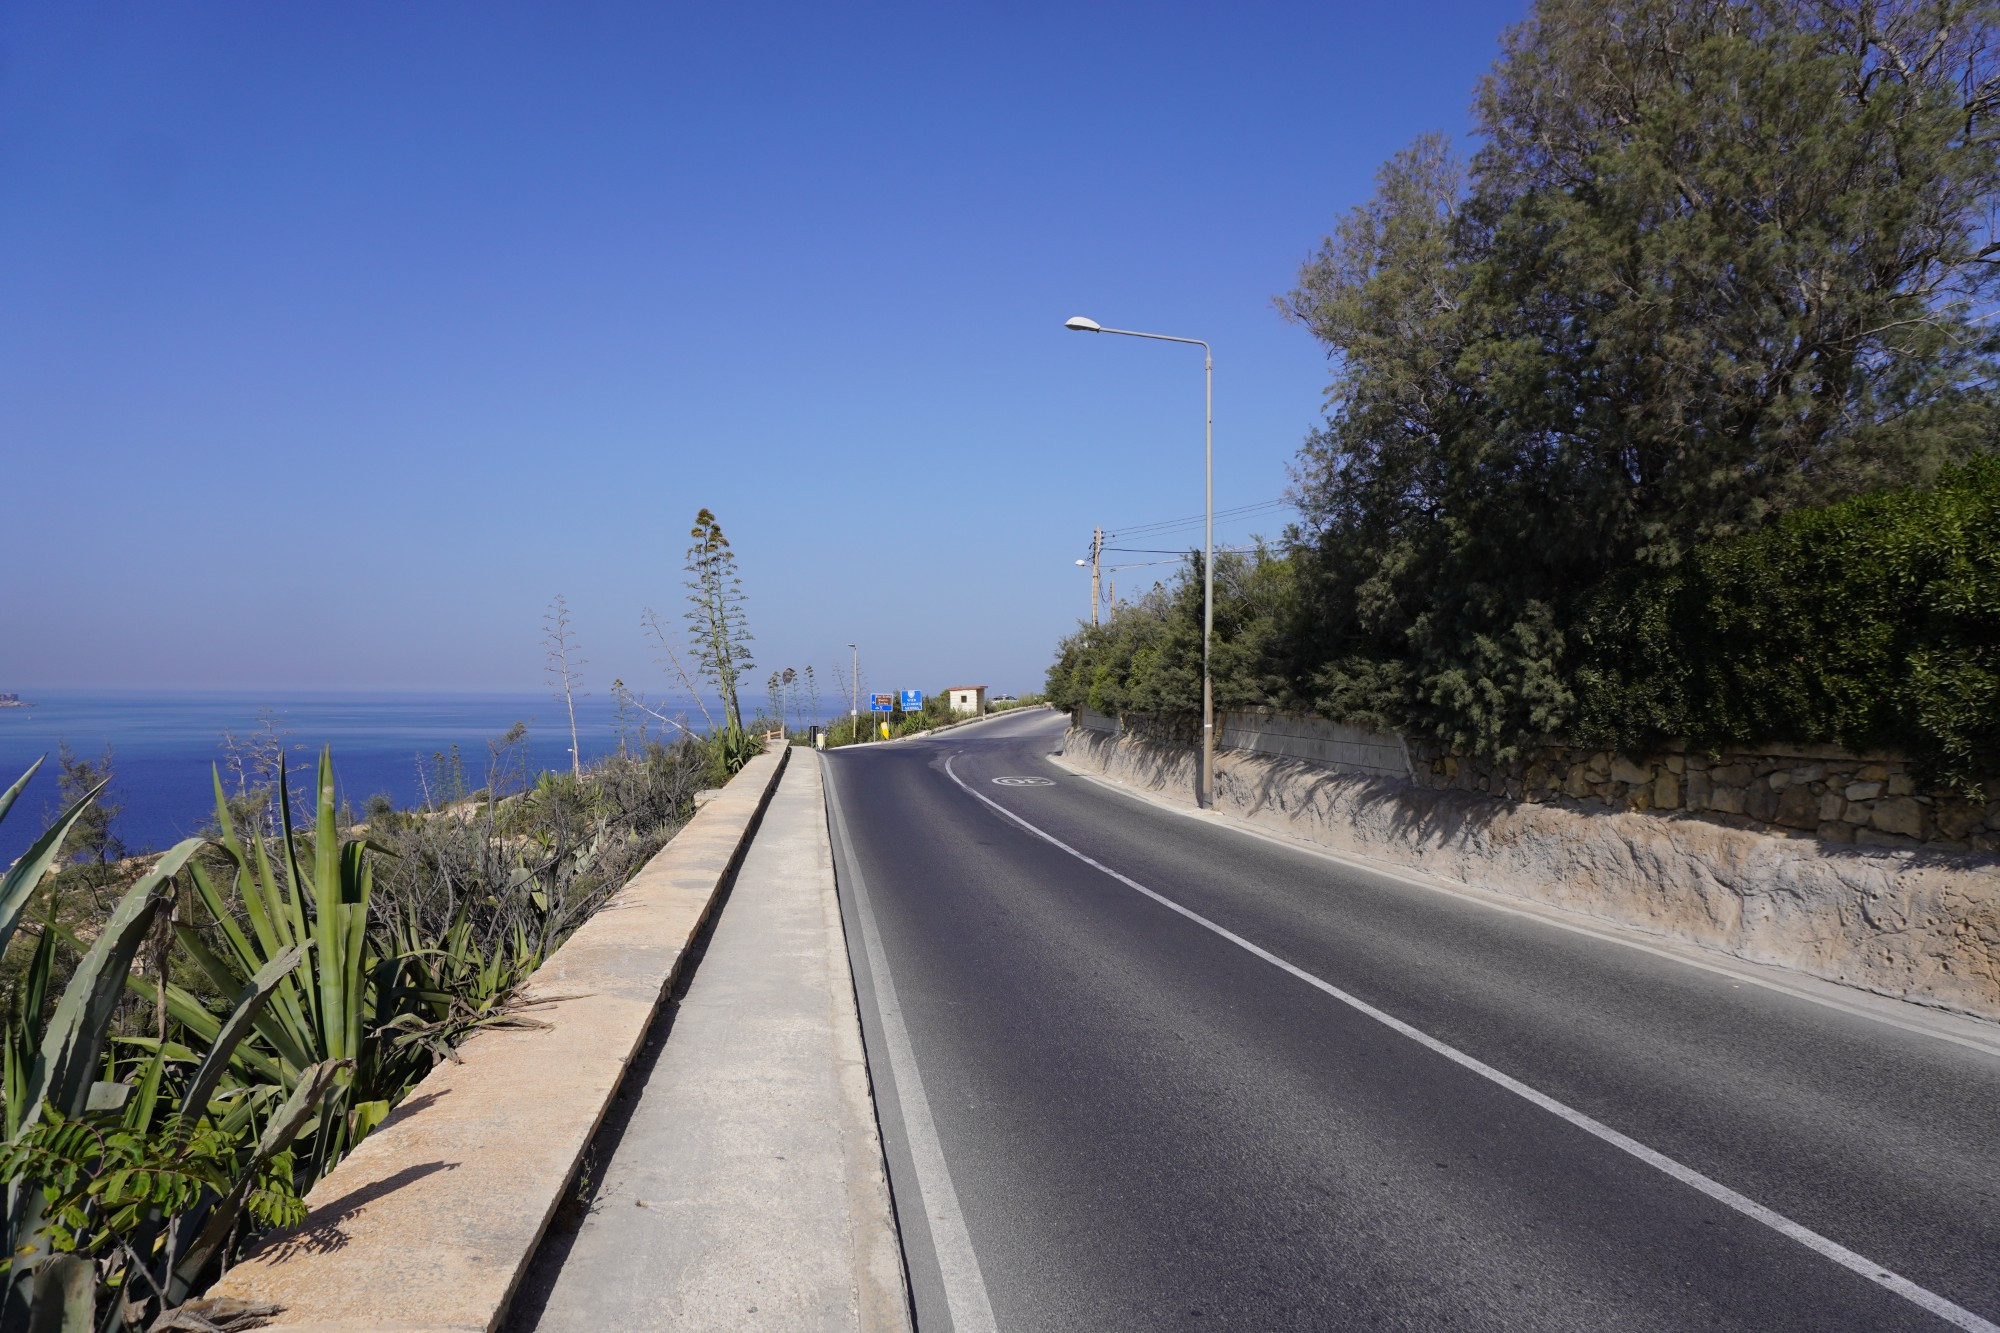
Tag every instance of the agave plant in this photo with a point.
(383, 1008)
(90, 1174)
(304, 927)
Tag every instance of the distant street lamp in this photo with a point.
(1206, 796)
(854, 704)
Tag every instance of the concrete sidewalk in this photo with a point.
(747, 1188)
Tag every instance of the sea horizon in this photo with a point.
(164, 742)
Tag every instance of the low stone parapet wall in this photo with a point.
(1911, 922)
(431, 1221)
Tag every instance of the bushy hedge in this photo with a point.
(1870, 623)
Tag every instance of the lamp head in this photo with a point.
(1082, 325)
(1083, 562)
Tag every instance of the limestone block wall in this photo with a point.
(1805, 791)
(1812, 791)
(1341, 745)
(1907, 920)
(1096, 721)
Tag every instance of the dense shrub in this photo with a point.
(1870, 623)
(1147, 658)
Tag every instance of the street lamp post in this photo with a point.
(854, 700)
(1206, 796)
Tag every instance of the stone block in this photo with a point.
(1798, 808)
(1577, 783)
(1677, 763)
(1898, 815)
(1832, 807)
(1902, 784)
(1624, 770)
(1863, 791)
(1761, 803)
(1958, 820)
(1698, 789)
(1873, 772)
(1834, 831)
(1735, 775)
(1779, 780)
(1726, 800)
(1667, 791)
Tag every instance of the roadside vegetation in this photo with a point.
(1669, 412)
(189, 1041)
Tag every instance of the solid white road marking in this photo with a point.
(1812, 1240)
(1431, 881)
(958, 1266)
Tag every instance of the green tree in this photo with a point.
(1714, 261)
(92, 837)
(716, 618)
(1146, 658)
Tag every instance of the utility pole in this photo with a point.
(1096, 556)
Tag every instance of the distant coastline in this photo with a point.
(12, 701)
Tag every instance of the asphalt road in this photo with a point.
(1212, 1081)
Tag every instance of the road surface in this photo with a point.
(1137, 1070)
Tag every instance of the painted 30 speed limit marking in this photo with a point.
(1023, 782)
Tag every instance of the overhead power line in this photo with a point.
(1221, 515)
(1167, 527)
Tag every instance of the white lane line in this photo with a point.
(964, 1285)
(1812, 1240)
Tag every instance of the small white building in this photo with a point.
(968, 699)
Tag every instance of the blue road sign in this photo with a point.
(913, 701)
(881, 703)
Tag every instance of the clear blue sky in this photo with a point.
(335, 339)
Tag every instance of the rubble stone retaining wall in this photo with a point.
(1816, 791)
(1813, 791)
(1908, 920)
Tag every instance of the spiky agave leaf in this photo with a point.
(18, 884)
(189, 1262)
(67, 1063)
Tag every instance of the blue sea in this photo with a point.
(163, 745)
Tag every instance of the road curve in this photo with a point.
(1108, 1104)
